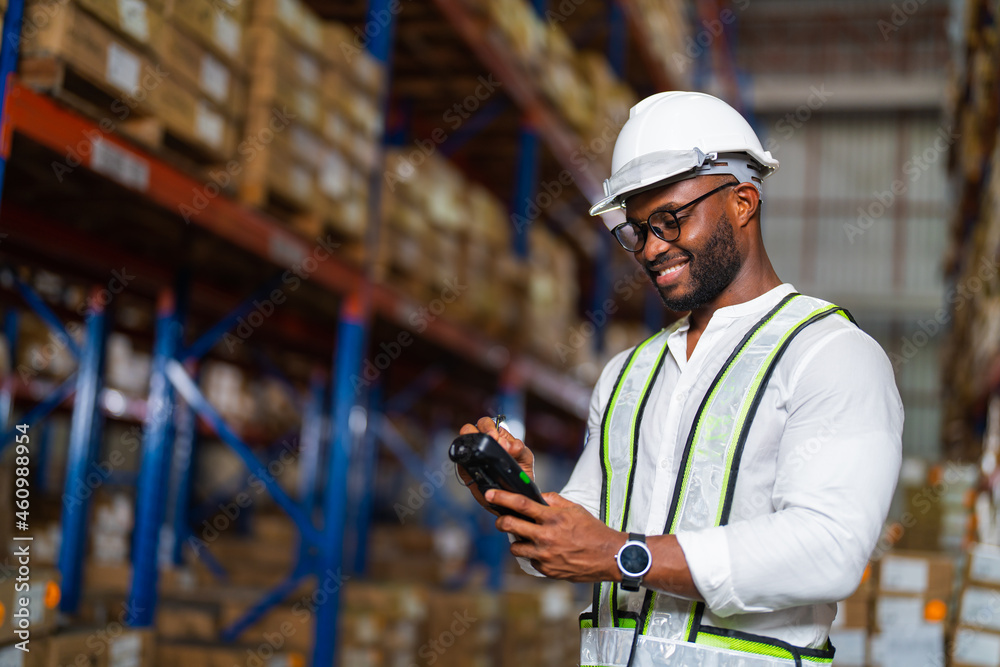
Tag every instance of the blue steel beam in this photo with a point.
(79, 459)
(41, 409)
(486, 115)
(525, 187)
(207, 341)
(230, 490)
(428, 379)
(257, 611)
(617, 38)
(8, 63)
(368, 465)
(45, 313)
(346, 366)
(10, 328)
(390, 437)
(181, 474)
(311, 443)
(190, 392)
(151, 490)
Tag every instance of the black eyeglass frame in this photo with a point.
(644, 227)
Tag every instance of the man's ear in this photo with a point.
(747, 203)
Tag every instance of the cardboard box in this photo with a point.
(81, 648)
(851, 645)
(296, 19)
(133, 18)
(853, 614)
(199, 655)
(41, 596)
(94, 50)
(984, 565)
(930, 575)
(980, 608)
(132, 648)
(107, 577)
(219, 25)
(193, 119)
(907, 647)
(186, 621)
(294, 623)
(975, 648)
(11, 656)
(197, 66)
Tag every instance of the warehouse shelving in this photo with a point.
(35, 126)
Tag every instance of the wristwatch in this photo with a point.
(634, 560)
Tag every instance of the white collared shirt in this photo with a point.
(817, 474)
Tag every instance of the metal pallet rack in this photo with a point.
(175, 402)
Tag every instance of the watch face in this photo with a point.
(634, 559)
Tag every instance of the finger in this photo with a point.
(518, 503)
(523, 530)
(489, 427)
(467, 429)
(523, 550)
(555, 500)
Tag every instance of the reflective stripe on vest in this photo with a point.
(703, 492)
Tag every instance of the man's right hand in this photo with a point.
(514, 447)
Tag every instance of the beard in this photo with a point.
(713, 271)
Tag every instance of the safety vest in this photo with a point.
(660, 629)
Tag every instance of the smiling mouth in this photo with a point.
(670, 270)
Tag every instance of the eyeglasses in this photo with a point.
(665, 225)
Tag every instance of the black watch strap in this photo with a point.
(630, 583)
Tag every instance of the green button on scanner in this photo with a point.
(525, 478)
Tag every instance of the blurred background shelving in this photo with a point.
(261, 259)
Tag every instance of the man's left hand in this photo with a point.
(564, 542)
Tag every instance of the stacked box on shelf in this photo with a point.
(938, 504)
(540, 625)
(382, 625)
(90, 647)
(463, 629)
(977, 635)
(313, 128)
(259, 654)
(915, 590)
(852, 626)
(552, 328)
(123, 65)
(447, 240)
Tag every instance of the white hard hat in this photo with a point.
(673, 136)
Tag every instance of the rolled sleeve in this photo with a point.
(707, 556)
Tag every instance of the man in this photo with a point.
(741, 462)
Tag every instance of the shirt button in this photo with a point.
(664, 464)
(680, 396)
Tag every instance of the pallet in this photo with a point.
(113, 112)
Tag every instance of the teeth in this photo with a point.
(673, 269)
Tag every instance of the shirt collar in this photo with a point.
(761, 304)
